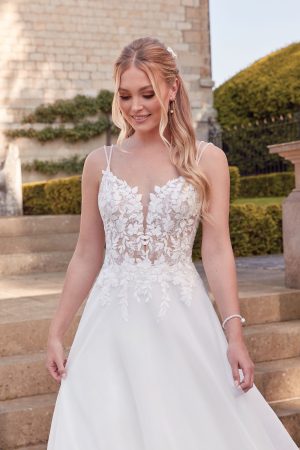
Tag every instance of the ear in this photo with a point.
(174, 89)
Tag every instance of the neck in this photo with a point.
(149, 138)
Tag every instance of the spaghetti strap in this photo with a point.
(201, 150)
(108, 158)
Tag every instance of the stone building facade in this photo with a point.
(56, 49)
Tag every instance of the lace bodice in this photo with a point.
(148, 242)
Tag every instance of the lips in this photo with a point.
(140, 118)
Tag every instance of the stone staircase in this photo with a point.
(31, 244)
(27, 304)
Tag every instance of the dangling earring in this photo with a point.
(172, 106)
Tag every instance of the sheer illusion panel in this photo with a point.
(158, 225)
(157, 234)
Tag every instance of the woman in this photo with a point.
(150, 367)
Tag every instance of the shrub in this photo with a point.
(61, 196)
(269, 87)
(254, 230)
(267, 185)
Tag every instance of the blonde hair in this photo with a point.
(151, 56)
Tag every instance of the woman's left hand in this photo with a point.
(238, 357)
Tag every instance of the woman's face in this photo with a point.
(138, 102)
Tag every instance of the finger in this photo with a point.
(235, 374)
(61, 369)
(52, 369)
(246, 383)
(57, 370)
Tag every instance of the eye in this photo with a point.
(126, 97)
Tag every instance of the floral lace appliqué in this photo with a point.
(145, 249)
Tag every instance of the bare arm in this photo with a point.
(217, 254)
(219, 264)
(88, 255)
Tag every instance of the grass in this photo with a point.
(261, 201)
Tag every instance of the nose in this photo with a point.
(136, 106)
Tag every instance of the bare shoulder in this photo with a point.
(94, 163)
(97, 158)
(213, 159)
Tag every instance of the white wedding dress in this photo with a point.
(148, 368)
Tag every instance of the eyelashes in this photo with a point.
(144, 96)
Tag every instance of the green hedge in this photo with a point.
(254, 230)
(61, 196)
(267, 185)
(70, 166)
(235, 180)
(268, 87)
(34, 199)
(260, 106)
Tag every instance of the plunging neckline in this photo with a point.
(135, 190)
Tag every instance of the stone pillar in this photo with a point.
(291, 216)
(207, 115)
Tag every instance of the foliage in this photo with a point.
(74, 111)
(267, 185)
(247, 146)
(62, 196)
(234, 182)
(259, 201)
(267, 88)
(70, 166)
(254, 230)
(34, 199)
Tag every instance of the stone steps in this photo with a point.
(31, 244)
(272, 341)
(42, 243)
(14, 379)
(25, 321)
(278, 380)
(33, 418)
(271, 307)
(266, 342)
(11, 264)
(33, 447)
(33, 415)
(27, 392)
(34, 225)
(289, 413)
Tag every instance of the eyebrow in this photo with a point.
(142, 89)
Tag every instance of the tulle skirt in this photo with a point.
(141, 384)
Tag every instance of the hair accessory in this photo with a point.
(170, 50)
(243, 320)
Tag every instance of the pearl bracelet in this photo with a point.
(243, 320)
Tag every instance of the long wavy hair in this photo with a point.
(151, 56)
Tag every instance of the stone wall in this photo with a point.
(53, 49)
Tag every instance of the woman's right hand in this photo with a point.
(55, 359)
